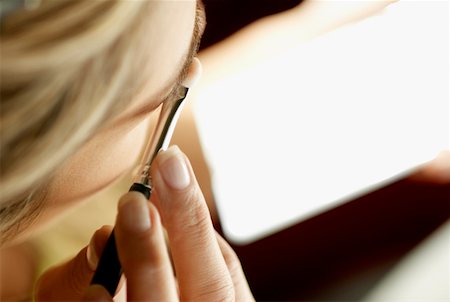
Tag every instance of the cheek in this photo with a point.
(99, 163)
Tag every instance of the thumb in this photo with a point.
(70, 280)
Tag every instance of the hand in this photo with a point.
(206, 267)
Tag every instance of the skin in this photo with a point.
(115, 149)
(83, 176)
(206, 266)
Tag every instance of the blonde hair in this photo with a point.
(65, 68)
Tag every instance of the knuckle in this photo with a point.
(192, 217)
(196, 217)
(195, 225)
(149, 271)
(191, 197)
(220, 292)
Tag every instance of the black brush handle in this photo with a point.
(109, 270)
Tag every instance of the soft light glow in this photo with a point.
(326, 121)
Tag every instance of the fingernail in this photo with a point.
(173, 168)
(91, 255)
(96, 293)
(134, 213)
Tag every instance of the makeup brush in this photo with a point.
(109, 270)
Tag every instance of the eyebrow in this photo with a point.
(199, 28)
(172, 87)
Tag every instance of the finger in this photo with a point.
(142, 251)
(201, 270)
(96, 245)
(241, 288)
(69, 280)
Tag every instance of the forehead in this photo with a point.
(169, 30)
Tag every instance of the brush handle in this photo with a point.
(109, 270)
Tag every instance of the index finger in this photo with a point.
(142, 251)
(201, 269)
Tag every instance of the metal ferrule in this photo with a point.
(168, 117)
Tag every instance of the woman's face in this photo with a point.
(114, 150)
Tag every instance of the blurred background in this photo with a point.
(311, 134)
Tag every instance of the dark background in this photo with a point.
(341, 254)
(224, 17)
